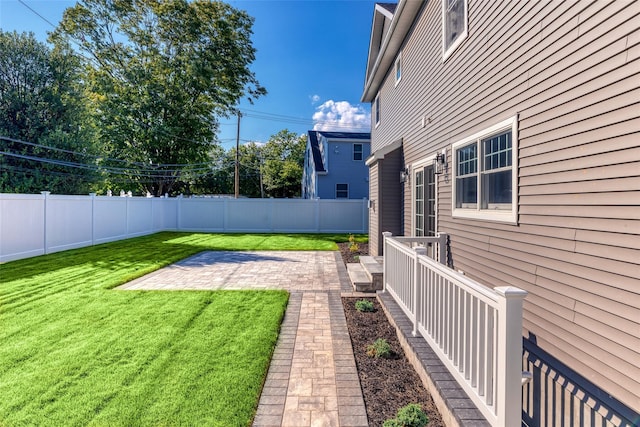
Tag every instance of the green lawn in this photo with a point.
(75, 352)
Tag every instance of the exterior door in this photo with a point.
(424, 207)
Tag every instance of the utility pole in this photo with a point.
(237, 181)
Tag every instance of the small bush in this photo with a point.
(364, 305)
(353, 246)
(379, 349)
(411, 415)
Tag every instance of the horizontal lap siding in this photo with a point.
(571, 72)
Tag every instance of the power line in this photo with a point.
(34, 11)
(103, 158)
(145, 173)
(296, 120)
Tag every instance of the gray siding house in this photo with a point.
(334, 165)
(514, 127)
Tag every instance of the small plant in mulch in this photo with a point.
(364, 306)
(411, 415)
(353, 246)
(380, 349)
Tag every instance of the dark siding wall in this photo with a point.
(384, 183)
(571, 72)
(374, 210)
(391, 193)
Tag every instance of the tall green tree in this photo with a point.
(283, 164)
(161, 73)
(216, 179)
(251, 160)
(45, 131)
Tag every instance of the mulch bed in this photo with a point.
(387, 384)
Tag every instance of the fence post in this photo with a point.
(126, 216)
(179, 212)
(509, 374)
(93, 218)
(45, 195)
(416, 287)
(271, 215)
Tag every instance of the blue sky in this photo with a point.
(311, 58)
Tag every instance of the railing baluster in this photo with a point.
(482, 347)
(445, 324)
(490, 360)
(475, 338)
(467, 335)
(475, 330)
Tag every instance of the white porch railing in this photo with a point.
(476, 331)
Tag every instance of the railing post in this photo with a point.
(416, 288)
(385, 234)
(509, 375)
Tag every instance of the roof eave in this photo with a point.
(406, 12)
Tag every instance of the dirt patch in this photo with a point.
(353, 256)
(387, 384)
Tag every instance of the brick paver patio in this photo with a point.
(312, 379)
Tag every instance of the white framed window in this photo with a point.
(485, 182)
(398, 68)
(454, 25)
(357, 152)
(342, 191)
(376, 107)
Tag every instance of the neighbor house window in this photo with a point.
(398, 68)
(357, 152)
(342, 191)
(485, 171)
(377, 109)
(454, 25)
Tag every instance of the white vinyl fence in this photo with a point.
(32, 225)
(476, 331)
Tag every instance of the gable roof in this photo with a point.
(344, 135)
(315, 151)
(391, 7)
(386, 40)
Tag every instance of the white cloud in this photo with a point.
(314, 99)
(341, 116)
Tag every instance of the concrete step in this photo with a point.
(374, 269)
(359, 278)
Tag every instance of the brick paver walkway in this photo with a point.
(312, 379)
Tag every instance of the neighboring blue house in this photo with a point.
(334, 165)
